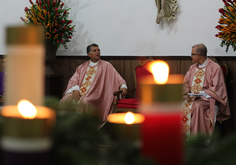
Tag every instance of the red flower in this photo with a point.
(69, 37)
(59, 26)
(56, 9)
(55, 30)
(222, 11)
(23, 19)
(62, 4)
(217, 35)
(63, 21)
(68, 22)
(54, 4)
(40, 3)
(31, 2)
(226, 3)
(62, 40)
(57, 14)
(57, 40)
(218, 27)
(70, 29)
(44, 7)
(61, 34)
(230, 1)
(64, 13)
(37, 1)
(26, 9)
(65, 28)
(220, 21)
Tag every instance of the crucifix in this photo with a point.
(167, 9)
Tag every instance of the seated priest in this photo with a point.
(205, 95)
(94, 83)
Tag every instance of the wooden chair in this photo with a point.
(223, 66)
(131, 104)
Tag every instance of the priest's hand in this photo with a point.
(123, 92)
(76, 95)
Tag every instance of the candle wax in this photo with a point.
(161, 138)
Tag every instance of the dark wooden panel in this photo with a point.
(184, 66)
(174, 66)
(129, 75)
(61, 67)
(119, 66)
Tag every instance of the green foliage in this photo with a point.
(220, 151)
(77, 141)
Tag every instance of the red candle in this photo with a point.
(161, 138)
(161, 130)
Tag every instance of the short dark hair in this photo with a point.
(201, 49)
(89, 47)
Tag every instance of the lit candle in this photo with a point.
(160, 104)
(27, 124)
(26, 134)
(125, 126)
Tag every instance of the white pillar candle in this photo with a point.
(25, 65)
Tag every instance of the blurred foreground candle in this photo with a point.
(125, 126)
(161, 106)
(25, 65)
(26, 124)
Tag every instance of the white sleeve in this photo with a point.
(75, 87)
(123, 86)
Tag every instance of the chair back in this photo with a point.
(223, 66)
(140, 73)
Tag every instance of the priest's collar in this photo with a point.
(203, 65)
(93, 63)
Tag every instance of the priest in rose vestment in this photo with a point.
(94, 83)
(205, 95)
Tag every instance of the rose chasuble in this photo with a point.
(97, 85)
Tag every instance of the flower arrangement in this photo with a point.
(227, 24)
(53, 17)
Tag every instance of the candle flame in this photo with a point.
(27, 109)
(129, 118)
(160, 71)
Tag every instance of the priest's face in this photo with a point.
(195, 57)
(94, 53)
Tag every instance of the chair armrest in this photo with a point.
(116, 93)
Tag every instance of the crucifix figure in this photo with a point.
(167, 9)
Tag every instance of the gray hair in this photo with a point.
(201, 49)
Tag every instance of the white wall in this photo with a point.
(128, 28)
